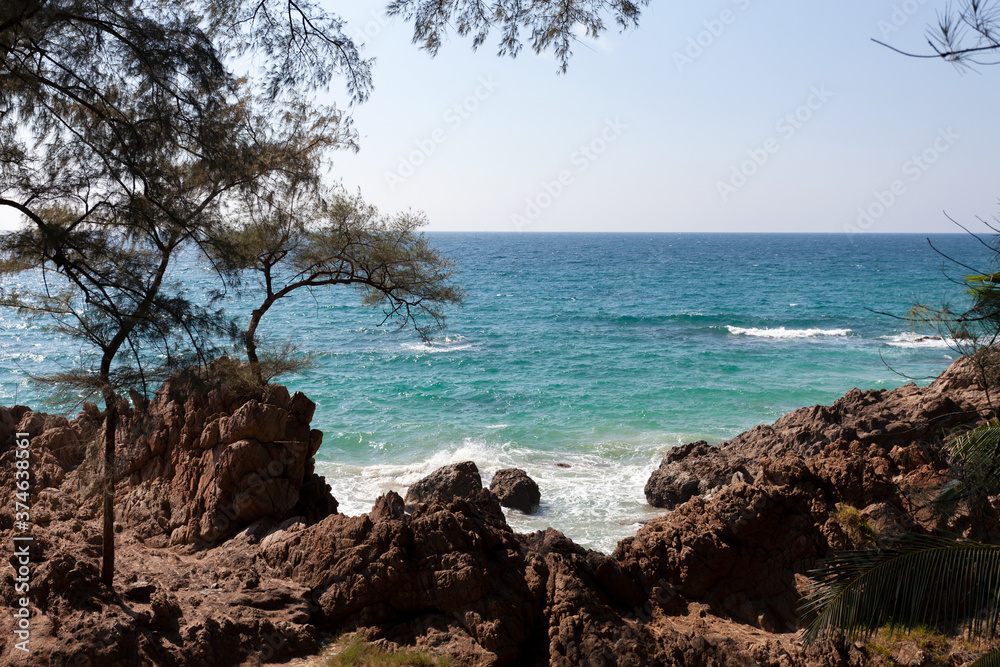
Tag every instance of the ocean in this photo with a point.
(598, 352)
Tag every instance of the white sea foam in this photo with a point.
(782, 332)
(597, 500)
(357, 487)
(22, 356)
(910, 339)
(456, 344)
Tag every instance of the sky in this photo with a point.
(719, 116)
(722, 116)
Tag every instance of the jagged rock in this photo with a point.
(691, 470)
(715, 582)
(32, 423)
(514, 489)
(64, 443)
(586, 598)
(739, 551)
(254, 421)
(448, 568)
(198, 464)
(879, 416)
(458, 480)
(208, 462)
(889, 419)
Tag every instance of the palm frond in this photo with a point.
(918, 580)
(979, 444)
(988, 659)
(977, 455)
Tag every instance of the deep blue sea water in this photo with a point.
(600, 351)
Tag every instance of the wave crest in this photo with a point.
(910, 339)
(782, 332)
(456, 344)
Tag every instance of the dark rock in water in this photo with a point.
(563, 465)
(458, 480)
(693, 470)
(514, 489)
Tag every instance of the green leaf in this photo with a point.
(990, 659)
(977, 454)
(919, 580)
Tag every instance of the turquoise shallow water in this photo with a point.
(600, 351)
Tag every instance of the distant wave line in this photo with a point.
(909, 339)
(783, 333)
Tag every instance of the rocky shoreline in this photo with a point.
(231, 550)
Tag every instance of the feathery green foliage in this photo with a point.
(976, 457)
(966, 32)
(125, 136)
(918, 581)
(972, 331)
(549, 25)
(305, 239)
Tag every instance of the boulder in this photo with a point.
(458, 480)
(692, 470)
(514, 489)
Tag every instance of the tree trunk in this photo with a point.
(110, 429)
(249, 337)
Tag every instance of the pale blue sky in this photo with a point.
(674, 131)
(636, 138)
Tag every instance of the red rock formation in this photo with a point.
(886, 418)
(199, 464)
(230, 550)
